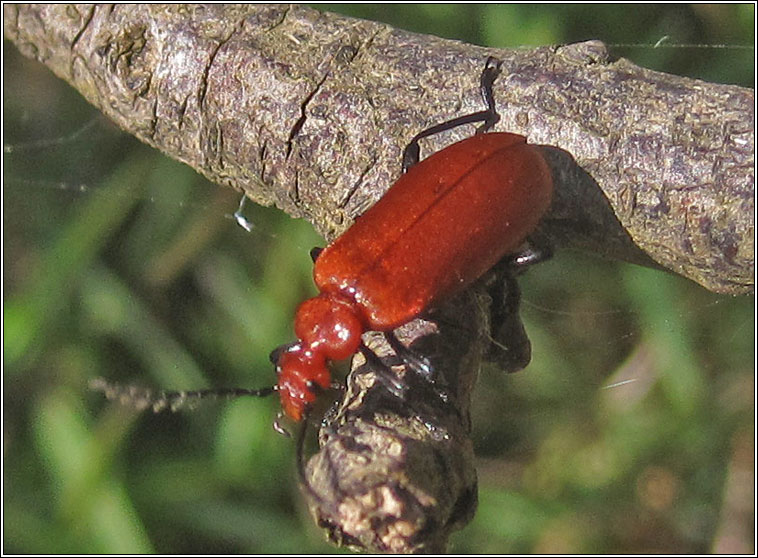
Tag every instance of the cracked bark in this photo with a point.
(310, 111)
(268, 99)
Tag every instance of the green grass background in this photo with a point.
(121, 263)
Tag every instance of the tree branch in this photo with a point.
(310, 111)
(397, 474)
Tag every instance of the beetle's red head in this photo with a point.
(302, 373)
(328, 327)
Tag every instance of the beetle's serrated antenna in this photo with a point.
(142, 398)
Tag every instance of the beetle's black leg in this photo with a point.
(416, 362)
(510, 347)
(489, 75)
(419, 366)
(489, 117)
(384, 373)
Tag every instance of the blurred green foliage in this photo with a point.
(627, 433)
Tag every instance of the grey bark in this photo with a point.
(311, 110)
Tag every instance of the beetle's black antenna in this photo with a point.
(142, 398)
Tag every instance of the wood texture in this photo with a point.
(310, 111)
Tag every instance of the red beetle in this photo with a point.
(444, 223)
(439, 228)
